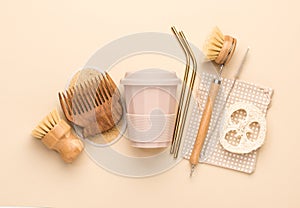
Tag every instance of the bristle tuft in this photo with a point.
(46, 125)
(51, 119)
(213, 44)
(56, 116)
(37, 134)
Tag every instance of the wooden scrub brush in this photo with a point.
(218, 48)
(95, 105)
(56, 134)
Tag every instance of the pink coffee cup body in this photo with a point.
(150, 97)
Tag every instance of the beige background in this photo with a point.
(43, 42)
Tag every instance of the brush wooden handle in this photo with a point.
(204, 123)
(69, 147)
(62, 140)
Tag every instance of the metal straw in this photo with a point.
(183, 89)
(180, 119)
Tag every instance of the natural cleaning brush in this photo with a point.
(218, 48)
(56, 134)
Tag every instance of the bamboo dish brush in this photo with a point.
(218, 48)
(56, 134)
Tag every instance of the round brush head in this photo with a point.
(56, 134)
(219, 47)
(46, 125)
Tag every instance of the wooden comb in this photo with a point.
(94, 105)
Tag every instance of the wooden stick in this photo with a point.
(204, 123)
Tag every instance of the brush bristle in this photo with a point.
(48, 123)
(213, 44)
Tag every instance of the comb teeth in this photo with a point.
(93, 104)
(46, 125)
(88, 95)
(214, 44)
(84, 95)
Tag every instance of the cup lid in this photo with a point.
(150, 76)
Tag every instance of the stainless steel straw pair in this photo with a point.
(187, 85)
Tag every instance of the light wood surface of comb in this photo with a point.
(94, 104)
